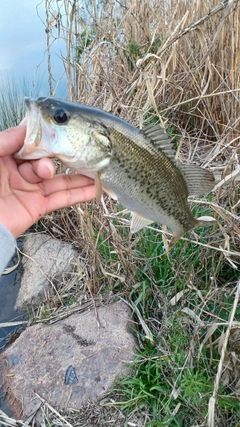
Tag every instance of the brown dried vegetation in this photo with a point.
(176, 62)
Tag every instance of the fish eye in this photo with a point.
(60, 116)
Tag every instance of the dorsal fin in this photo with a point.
(159, 139)
(199, 181)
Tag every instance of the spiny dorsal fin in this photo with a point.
(159, 139)
(199, 181)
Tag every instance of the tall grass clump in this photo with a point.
(176, 63)
(12, 107)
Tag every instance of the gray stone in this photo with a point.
(68, 363)
(47, 259)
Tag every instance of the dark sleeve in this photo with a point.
(7, 247)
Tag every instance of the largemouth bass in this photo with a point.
(136, 167)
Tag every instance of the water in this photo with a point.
(23, 46)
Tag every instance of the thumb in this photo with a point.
(44, 168)
(12, 139)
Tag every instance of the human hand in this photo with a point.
(29, 189)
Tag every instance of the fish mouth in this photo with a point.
(37, 134)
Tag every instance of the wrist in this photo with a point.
(6, 233)
(7, 249)
(9, 228)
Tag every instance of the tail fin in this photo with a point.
(203, 221)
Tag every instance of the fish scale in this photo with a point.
(136, 167)
(156, 200)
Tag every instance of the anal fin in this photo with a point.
(138, 222)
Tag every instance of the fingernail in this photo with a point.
(49, 165)
(23, 122)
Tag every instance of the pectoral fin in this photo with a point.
(98, 185)
(138, 222)
(109, 192)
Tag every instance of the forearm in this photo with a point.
(7, 247)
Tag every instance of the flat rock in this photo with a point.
(46, 260)
(69, 363)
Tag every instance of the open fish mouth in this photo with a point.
(37, 135)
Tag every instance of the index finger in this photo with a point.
(12, 139)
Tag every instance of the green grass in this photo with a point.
(172, 377)
(169, 374)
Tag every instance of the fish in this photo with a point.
(136, 167)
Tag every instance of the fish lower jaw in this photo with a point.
(31, 154)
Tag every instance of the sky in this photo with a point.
(23, 44)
